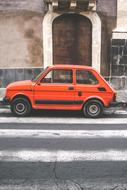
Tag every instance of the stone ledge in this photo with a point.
(72, 5)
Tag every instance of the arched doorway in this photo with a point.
(72, 40)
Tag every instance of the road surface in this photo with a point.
(63, 152)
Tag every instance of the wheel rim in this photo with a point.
(20, 108)
(93, 109)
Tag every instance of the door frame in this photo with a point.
(48, 37)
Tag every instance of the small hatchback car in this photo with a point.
(61, 87)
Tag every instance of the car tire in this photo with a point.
(21, 107)
(93, 109)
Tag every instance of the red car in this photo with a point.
(61, 87)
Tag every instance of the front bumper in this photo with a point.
(4, 101)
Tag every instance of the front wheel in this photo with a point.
(21, 107)
(93, 109)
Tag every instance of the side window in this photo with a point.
(85, 77)
(62, 76)
(58, 76)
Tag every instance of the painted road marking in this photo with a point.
(62, 156)
(62, 120)
(15, 133)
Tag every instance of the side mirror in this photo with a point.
(38, 83)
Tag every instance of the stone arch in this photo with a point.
(48, 37)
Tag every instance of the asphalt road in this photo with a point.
(63, 156)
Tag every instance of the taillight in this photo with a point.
(114, 97)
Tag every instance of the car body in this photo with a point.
(62, 87)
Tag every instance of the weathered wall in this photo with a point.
(17, 74)
(13, 5)
(20, 39)
(107, 7)
(21, 33)
(122, 15)
(21, 46)
(107, 10)
(21, 36)
(119, 48)
(119, 63)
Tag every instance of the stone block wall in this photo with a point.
(11, 75)
(119, 63)
(107, 10)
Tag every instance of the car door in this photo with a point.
(86, 85)
(56, 90)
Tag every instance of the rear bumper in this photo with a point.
(118, 104)
(4, 101)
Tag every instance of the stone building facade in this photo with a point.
(35, 34)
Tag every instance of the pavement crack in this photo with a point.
(55, 175)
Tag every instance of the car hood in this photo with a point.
(20, 85)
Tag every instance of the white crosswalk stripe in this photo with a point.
(62, 120)
(45, 155)
(13, 133)
(62, 156)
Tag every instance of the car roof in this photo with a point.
(71, 66)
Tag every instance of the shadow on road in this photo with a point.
(108, 113)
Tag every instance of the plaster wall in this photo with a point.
(122, 15)
(13, 5)
(20, 39)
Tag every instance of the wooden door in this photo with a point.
(72, 40)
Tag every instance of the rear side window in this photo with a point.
(85, 77)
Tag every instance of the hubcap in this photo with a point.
(20, 107)
(93, 109)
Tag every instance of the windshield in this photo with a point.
(38, 76)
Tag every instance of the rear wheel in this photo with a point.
(21, 107)
(93, 109)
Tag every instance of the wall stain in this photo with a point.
(30, 27)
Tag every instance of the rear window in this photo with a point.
(85, 77)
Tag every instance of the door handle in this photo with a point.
(70, 88)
